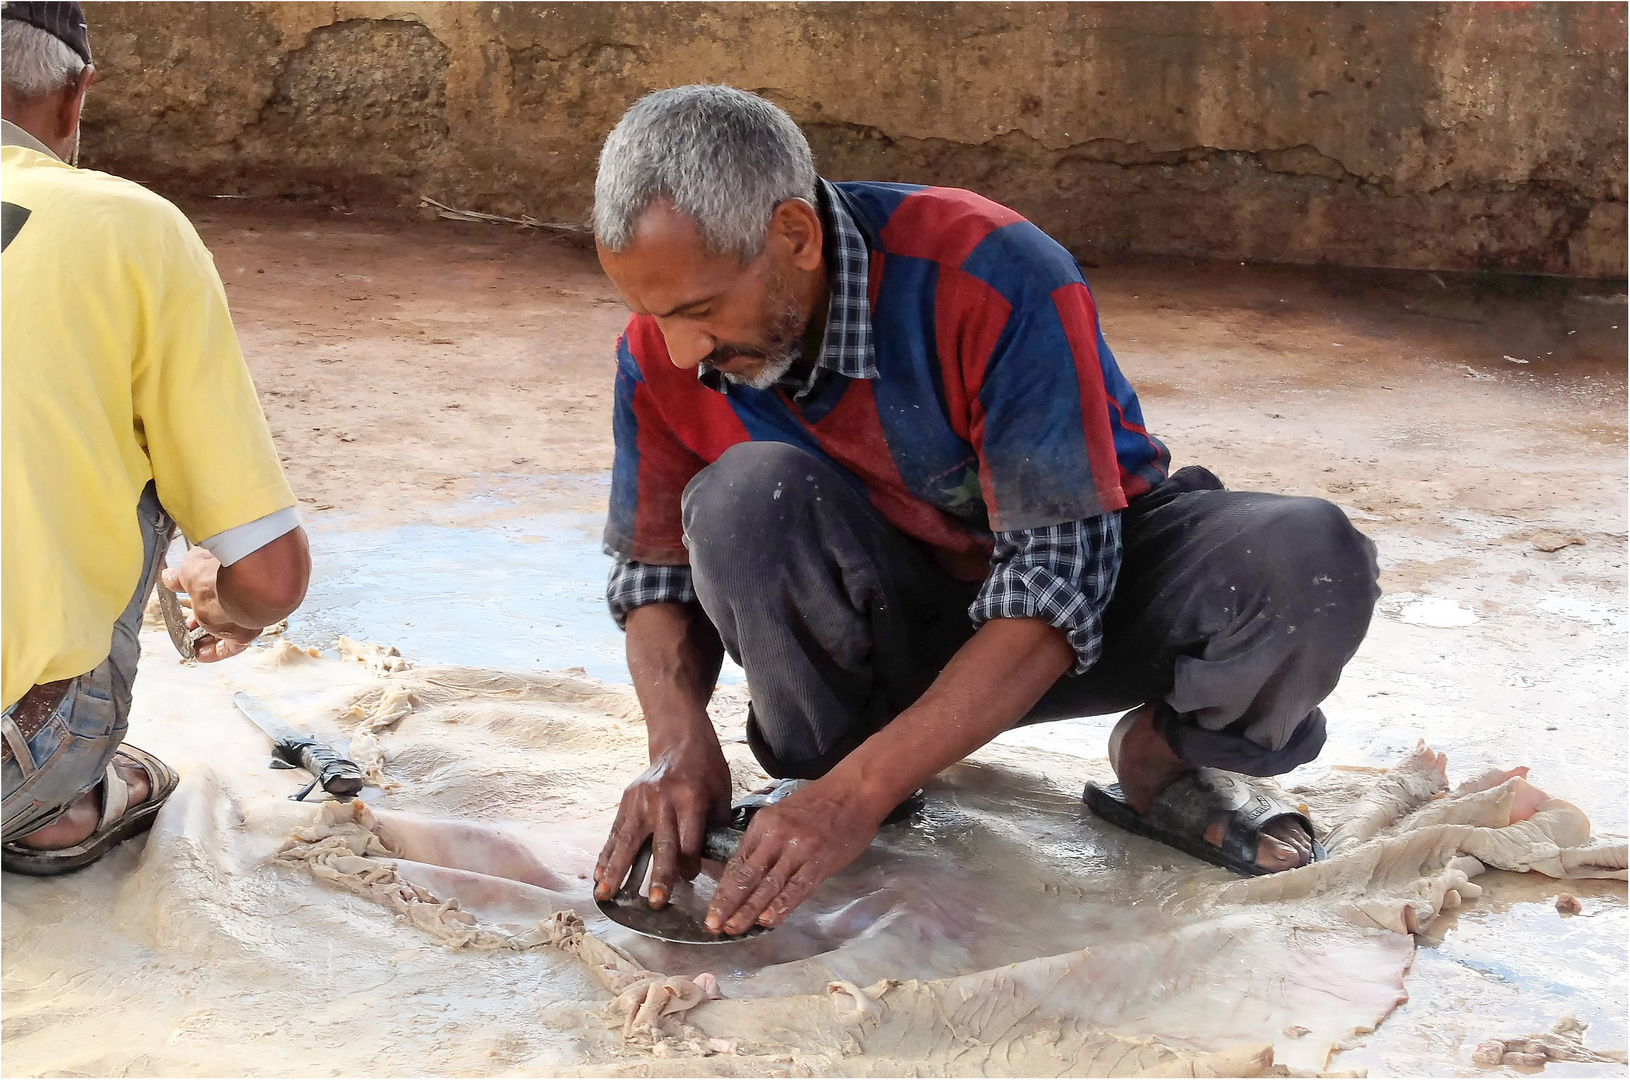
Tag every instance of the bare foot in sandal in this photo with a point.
(134, 786)
(1145, 766)
(77, 824)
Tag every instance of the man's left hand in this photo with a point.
(790, 848)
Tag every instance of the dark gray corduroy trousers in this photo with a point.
(1235, 611)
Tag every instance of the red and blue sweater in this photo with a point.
(996, 407)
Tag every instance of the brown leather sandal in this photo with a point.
(119, 821)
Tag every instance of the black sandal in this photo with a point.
(1179, 816)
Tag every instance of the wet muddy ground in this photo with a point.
(441, 393)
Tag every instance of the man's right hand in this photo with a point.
(197, 576)
(671, 802)
(234, 602)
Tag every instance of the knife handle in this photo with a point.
(338, 776)
(720, 844)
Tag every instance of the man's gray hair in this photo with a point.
(725, 157)
(34, 63)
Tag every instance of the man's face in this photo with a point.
(743, 319)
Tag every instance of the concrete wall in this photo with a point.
(1447, 136)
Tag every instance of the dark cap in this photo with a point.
(64, 21)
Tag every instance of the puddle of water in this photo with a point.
(1586, 611)
(1417, 610)
(525, 592)
(1510, 965)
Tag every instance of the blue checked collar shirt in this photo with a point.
(1063, 574)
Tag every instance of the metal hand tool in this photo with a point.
(675, 922)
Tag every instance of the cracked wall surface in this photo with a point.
(1441, 136)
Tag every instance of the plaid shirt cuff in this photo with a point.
(634, 584)
(1061, 573)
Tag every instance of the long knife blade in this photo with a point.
(266, 720)
(338, 776)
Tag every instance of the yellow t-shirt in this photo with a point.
(118, 364)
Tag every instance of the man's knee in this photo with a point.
(67, 753)
(1269, 750)
(1317, 550)
(731, 505)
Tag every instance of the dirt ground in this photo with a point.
(1469, 425)
(404, 361)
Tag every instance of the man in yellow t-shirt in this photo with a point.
(127, 411)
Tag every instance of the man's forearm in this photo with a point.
(988, 686)
(674, 655)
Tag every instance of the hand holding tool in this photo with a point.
(671, 923)
(175, 621)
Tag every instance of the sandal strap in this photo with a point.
(1193, 801)
(115, 797)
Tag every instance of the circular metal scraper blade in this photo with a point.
(669, 923)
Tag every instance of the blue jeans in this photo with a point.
(72, 750)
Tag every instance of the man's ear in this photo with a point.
(73, 102)
(796, 224)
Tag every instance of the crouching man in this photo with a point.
(128, 410)
(871, 443)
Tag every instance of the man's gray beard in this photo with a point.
(774, 369)
(789, 328)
